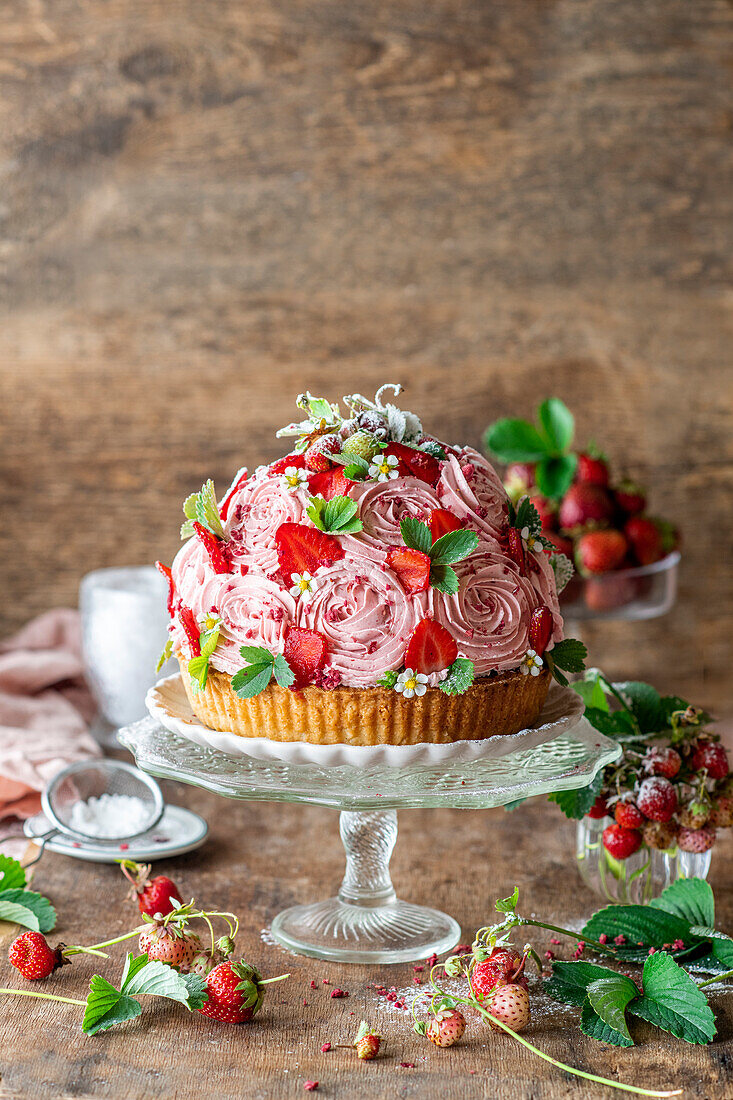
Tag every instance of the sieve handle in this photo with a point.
(44, 839)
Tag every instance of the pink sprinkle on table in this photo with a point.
(325, 1048)
(310, 1086)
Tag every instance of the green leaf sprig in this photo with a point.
(19, 905)
(525, 515)
(339, 515)
(568, 655)
(202, 507)
(443, 553)
(198, 667)
(547, 444)
(459, 679)
(261, 667)
(106, 1006)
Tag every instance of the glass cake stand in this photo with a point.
(366, 922)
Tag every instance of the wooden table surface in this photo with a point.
(263, 857)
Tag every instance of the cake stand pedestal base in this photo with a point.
(366, 923)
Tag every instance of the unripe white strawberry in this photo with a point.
(170, 944)
(362, 445)
(446, 1027)
(510, 1005)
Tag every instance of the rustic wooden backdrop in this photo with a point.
(206, 207)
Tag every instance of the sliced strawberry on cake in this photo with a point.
(305, 651)
(283, 464)
(329, 483)
(431, 648)
(414, 463)
(411, 566)
(302, 549)
(215, 548)
(442, 522)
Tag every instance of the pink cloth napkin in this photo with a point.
(45, 710)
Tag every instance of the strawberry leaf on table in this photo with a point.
(618, 723)
(198, 993)
(262, 666)
(691, 899)
(202, 507)
(673, 1002)
(12, 875)
(460, 677)
(592, 694)
(645, 704)
(594, 1027)
(339, 515)
(575, 804)
(608, 997)
(107, 1006)
(569, 981)
(642, 926)
(27, 908)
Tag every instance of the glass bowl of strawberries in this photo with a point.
(626, 560)
(652, 816)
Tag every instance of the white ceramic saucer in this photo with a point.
(178, 831)
(169, 705)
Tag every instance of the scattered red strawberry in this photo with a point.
(660, 835)
(547, 513)
(541, 626)
(164, 569)
(282, 464)
(331, 483)
(600, 551)
(411, 566)
(599, 809)
(431, 648)
(442, 521)
(503, 965)
(235, 993)
(33, 956)
(585, 503)
(154, 896)
(414, 463)
(305, 651)
(366, 1042)
(630, 498)
(446, 1027)
(657, 798)
(645, 539)
(510, 1005)
(563, 544)
(316, 457)
(696, 840)
(711, 757)
(663, 760)
(303, 549)
(628, 815)
(621, 842)
(515, 549)
(592, 469)
(226, 503)
(190, 627)
(170, 944)
(215, 548)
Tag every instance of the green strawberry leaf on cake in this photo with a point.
(460, 677)
(202, 507)
(339, 515)
(443, 553)
(569, 655)
(261, 667)
(198, 667)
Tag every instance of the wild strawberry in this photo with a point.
(215, 548)
(592, 469)
(414, 463)
(547, 513)
(316, 457)
(599, 809)
(510, 1005)
(411, 566)
(154, 896)
(515, 550)
(585, 503)
(446, 1027)
(166, 572)
(621, 842)
(171, 944)
(520, 478)
(373, 422)
(628, 815)
(663, 760)
(541, 626)
(190, 628)
(600, 551)
(282, 464)
(645, 539)
(235, 993)
(694, 815)
(442, 521)
(696, 840)
(721, 816)
(33, 956)
(503, 965)
(303, 549)
(430, 648)
(361, 445)
(366, 1042)
(657, 798)
(711, 757)
(659, 835)
(630, 497)
(331, 483)
(305, 651)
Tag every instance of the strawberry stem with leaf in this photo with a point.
(443, 553)
(262, 666)
(546, 444)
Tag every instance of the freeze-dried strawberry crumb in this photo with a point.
(418, 968)
(603, 938)
(618, 940)
(313, 985)
(339, 993)
(407, 1065)
(554, 941)
(325, 1048)
(431, 959)
(310, 1086)
(326, 981)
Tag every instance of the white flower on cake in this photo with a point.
(384, 467)
(531, 663)
(529, 540)
(304, 585)
(411, 683)
(293, 478)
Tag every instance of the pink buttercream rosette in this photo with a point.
(382, 507)
(255, 514)
(470, 487)
(366, 616)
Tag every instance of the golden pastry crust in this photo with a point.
(493, 705)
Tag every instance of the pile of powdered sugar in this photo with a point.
(110, 816)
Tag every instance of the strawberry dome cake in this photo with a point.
(375, 585)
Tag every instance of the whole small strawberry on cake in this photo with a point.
(374, 586)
